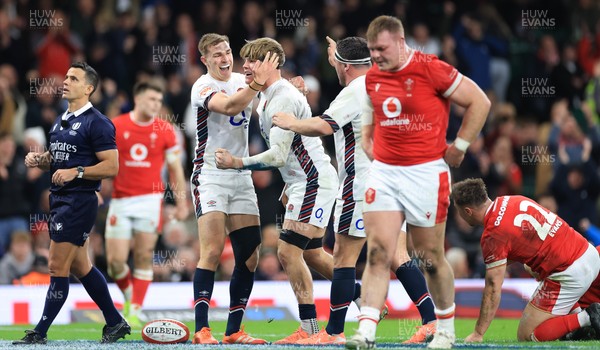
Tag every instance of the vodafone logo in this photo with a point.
(138, 152)
(392, 107)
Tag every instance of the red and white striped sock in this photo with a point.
(141, 282)
(367, 322)
(123, 281)
(445, 319)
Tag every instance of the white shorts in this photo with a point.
(312, 203)
(130, 215)
(561, 290)
(227, 193)
(348, 218)
(421, 191)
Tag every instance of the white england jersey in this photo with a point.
(344, 117)
(306, 156)
(215, 130)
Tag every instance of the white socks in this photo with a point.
(445, 319)
(584, 319)
(310, 326)
(367, 322)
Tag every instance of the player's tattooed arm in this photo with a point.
(494, 277)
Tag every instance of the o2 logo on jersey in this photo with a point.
(138, 152)
(319, 214)
(360, 225)
(243, 121)
(392, 107)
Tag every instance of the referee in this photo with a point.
(82, 152)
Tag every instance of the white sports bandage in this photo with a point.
(339, 58)
(461, 144)
(173, 154)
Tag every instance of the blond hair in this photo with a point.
(383, 23)
(210, 39)
(257, 50)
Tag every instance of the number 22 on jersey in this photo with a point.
(544, 228)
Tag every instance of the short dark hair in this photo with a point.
(142, 86)
(91, 76)
(469, 192)
(353, 48)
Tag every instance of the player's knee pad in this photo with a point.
(294, 238)
(315, 243)
(244, 242)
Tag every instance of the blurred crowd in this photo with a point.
(539, 62)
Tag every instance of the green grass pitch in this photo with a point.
(390, 334)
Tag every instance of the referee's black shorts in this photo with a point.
(72, 216)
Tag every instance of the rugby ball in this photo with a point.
(165, 331)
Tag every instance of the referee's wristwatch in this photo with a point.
(80, 171)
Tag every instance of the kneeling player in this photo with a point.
(517, 228)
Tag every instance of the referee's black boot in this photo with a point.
(116, 332)
(31, 337)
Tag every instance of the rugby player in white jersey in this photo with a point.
(224, 200)
(351, 60)
(311, 180)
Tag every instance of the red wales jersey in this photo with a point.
(519, 229)
(411, 108)
(142, 152)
